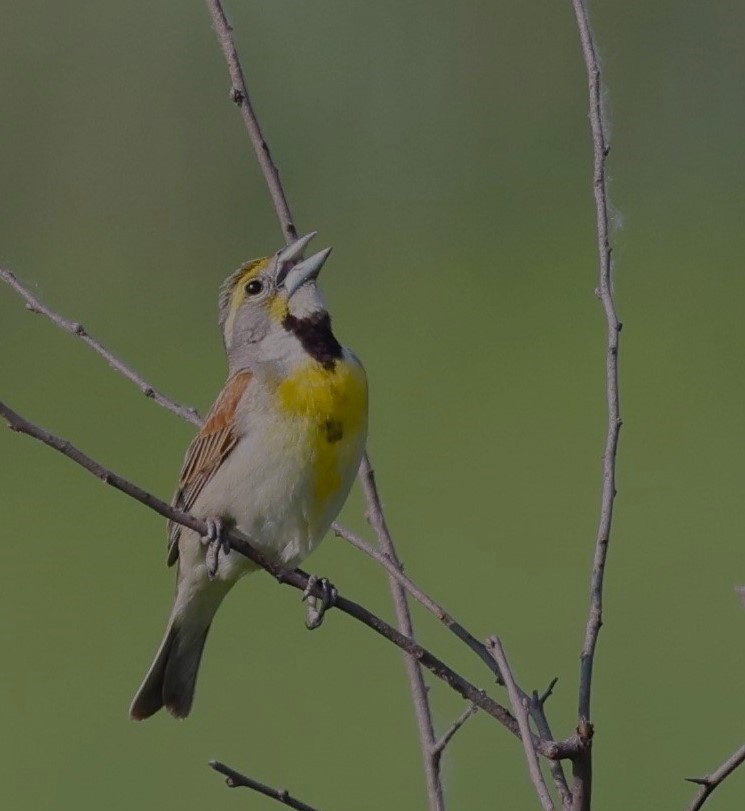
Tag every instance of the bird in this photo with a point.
(275, 458)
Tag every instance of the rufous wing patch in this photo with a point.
(208, 450)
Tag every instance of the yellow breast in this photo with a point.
(331, 404)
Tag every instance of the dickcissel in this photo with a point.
(275, 459)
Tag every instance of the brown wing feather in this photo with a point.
(207, 452)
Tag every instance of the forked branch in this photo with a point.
(450, 732)
(298, 580)
(715, 779)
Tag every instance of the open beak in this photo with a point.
(288, 255)
(295, 249)
(304, 271)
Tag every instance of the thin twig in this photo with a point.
(449, 733)
(538, 714)
(711, 781)
(417, 686)
(547, 693)
(582, 784)
(235, 779)
(536, 707)
(520, 709)
(79, 331)
(420, 596)
(298, 580)
(239, 94)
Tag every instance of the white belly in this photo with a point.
(291, 471)
(269, 487)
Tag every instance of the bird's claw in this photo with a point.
(216, 541)
(318, 606)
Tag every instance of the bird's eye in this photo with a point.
(254, 287)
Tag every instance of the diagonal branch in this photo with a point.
(397, 574)
(235, 779)
(239, 94)
(520, 709)
(450, 732)
(417, 686)
(298, 580)
(534, 701)
(714, 779)
(79, 331)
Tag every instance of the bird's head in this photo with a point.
(268, 305)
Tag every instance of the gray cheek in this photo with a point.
(251, 332)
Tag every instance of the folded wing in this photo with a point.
(209, 449)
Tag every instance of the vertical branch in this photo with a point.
(582, 788)
(271, 175)
(605, 293)
(418, 688)
(239, 94)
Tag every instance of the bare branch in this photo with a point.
(582, 783)
(449, 733)
(538, 714)
(235, 779)
(520, 709)
(434, 608)
(535, 702)
(78, 330)
(298, 580)
(239, 94)
(414, 672)
(605, 292)
(547, 693)
(714, 779)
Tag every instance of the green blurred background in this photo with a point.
(443, 149)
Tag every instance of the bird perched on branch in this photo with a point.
(275, 458)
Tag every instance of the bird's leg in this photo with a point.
(216, 541)
(317, 606)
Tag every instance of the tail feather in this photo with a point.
(172, 677)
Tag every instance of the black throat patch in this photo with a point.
(314, 333)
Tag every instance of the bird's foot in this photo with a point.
(318, 606)
(216, 541)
